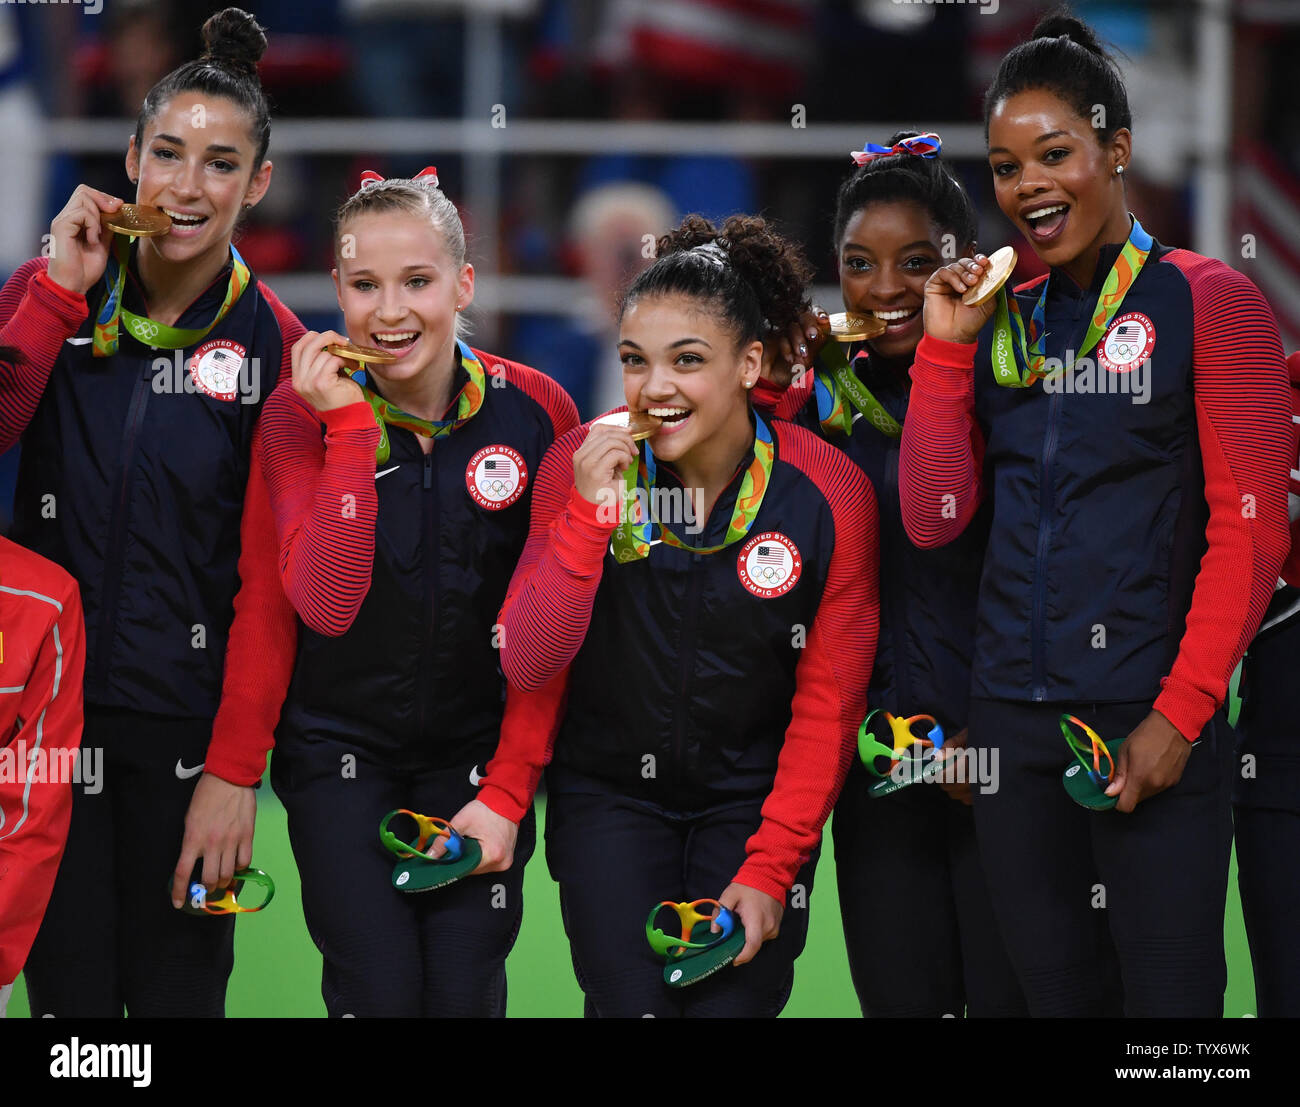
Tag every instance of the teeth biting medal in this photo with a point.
(363, 354)
(138, 220)
(846, 327)
(640, 424)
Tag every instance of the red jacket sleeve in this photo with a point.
(548, 605)
(830, 681)
(1248, 445)
(323, 498)
(37, 316)
(261, 648)
(41, 668)
(263, 636)
(940, 466)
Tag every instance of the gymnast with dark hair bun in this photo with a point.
(1128, 417)
(693, 621)
(146, 349)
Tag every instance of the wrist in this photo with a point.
(350, 416)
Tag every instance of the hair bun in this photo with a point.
(235, 40)
(1063, 25)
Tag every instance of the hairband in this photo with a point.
(922, 146)
(711, 250)
(369, 176)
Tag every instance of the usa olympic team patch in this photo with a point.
(1128, 342)
(215, 366)
(769, 565)
(495, 477)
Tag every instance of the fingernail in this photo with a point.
(802, 348)
(812, 335)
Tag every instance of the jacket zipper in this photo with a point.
(1046, 502)
(686, 658)
(117, 528)
(429, 559)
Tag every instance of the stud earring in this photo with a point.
(1119, 170)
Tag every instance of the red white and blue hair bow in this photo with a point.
(369, 176)
(922, 146)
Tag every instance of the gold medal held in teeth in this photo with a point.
(999, 267)
(138, 220)
(854, 328)
(363, 354)
(639, 424)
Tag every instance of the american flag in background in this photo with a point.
(770, 555)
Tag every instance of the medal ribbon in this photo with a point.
(111, 312)
(841, 382)
(468, 403)
(1018, 363)
(631, 539)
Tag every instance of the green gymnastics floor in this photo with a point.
(277, 969)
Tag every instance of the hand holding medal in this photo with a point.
(321, 370)
(961, 297)
(789, 354)
(79, 240)
(605, 455)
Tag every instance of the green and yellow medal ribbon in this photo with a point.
(631, 539)
(111, 314)
(833, 387)
(1018, 359)
(468, 403)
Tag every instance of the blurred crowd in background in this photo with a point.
(583, 216)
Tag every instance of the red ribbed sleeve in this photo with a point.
(940, 467)
(548, 606)
(263, 638)
(37, 316)
(322, 493)
(1248, 445)
(832, 675)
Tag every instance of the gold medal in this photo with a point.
(639, 424)
(996, 271)
(350, 351)
(138, 220)
(854, 328)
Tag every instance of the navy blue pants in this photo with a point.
(110, 938)
(1267, 813)
(439, 953)
(1105, 913)
(614, 859)
(908, 869)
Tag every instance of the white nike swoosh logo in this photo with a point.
(79, 341)
(474, 778)
(385, 472)
(183, 773)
